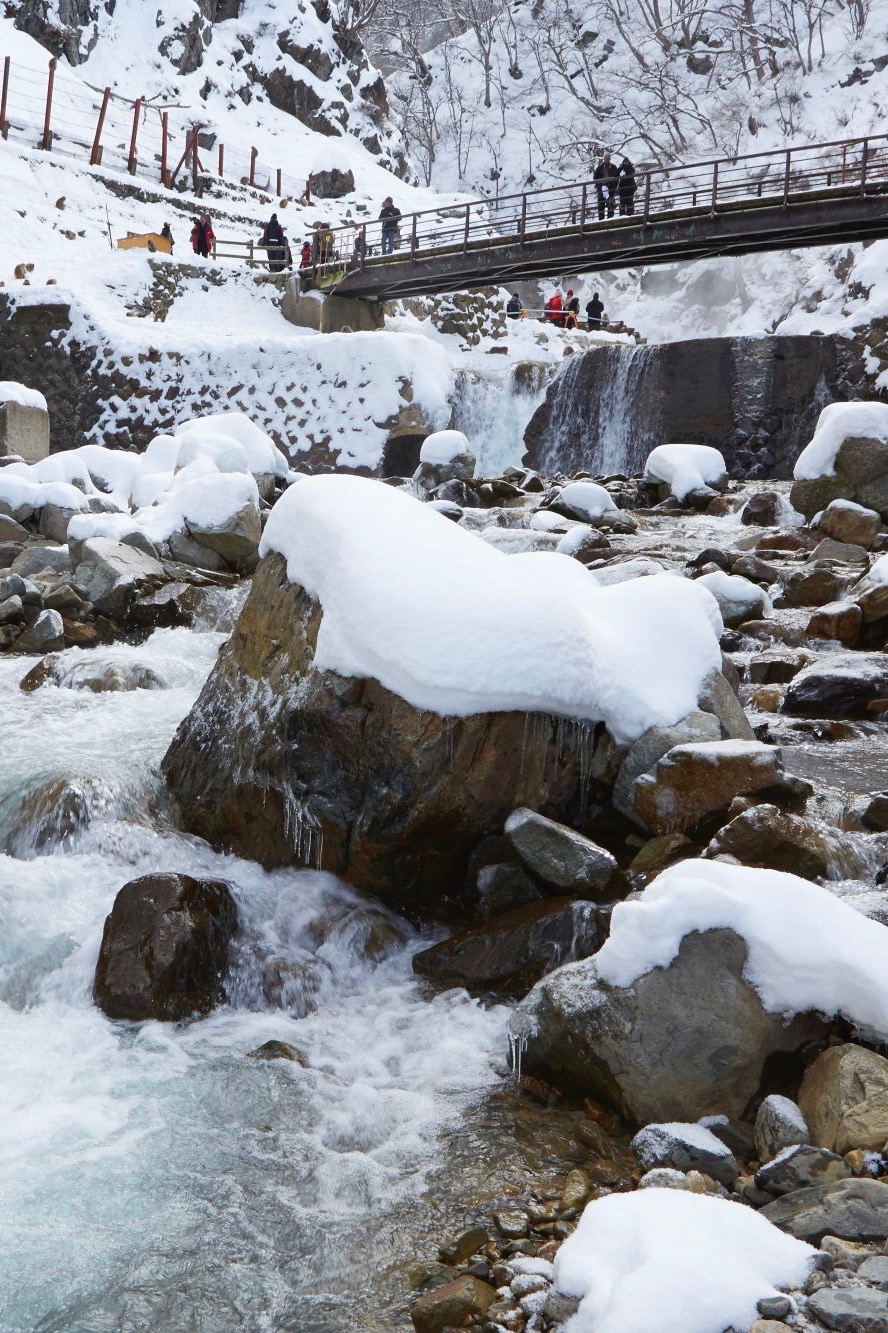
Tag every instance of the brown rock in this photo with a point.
(838, 620)
(850, 524)
(294, 766)
(511, 952)
(844, 1099)
(815, 585)
(453, 1305)
(693, 780)
(764, 836)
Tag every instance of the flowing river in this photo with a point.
(153, 1177)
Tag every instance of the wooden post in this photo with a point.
(254, 153)
(786, 171)
(164, 146)
(584, 199)
(137, 111)
(221, 171)
(522, 225)
(47, 119)
(278, 182)
(863, 163)
(4, 97)
(195, 162)
(413, 236)
(466, 228)
(714, 186)
(647, 198)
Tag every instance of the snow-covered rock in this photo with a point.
(674, 1261)
(685, 469)
(714, 966)
(584, 500)
(738, 599)
(846, 521)
(846, 459)
(779, 1124)
(686, 1147)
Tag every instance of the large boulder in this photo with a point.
(680, 1042)
(511, 952)
(765, 836)
(844, 1097)
(289, 765)
(845, 521)
(164, 951)
(235, 537)
(846, 460)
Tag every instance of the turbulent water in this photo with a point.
(152, 1177)
(493, 411)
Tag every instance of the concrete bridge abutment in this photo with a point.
(328, 313)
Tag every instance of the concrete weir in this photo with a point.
(328, 313)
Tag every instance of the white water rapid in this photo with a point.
(152, 1177)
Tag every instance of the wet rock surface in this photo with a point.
(164, 951)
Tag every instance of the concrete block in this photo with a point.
(24, 431)
(329, 314)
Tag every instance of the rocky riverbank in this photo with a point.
(653, 792)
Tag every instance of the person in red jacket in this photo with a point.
(202, 238)
(555, 310)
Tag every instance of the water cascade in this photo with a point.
(756, 399)
(493, 411)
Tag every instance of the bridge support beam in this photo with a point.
(330, 313)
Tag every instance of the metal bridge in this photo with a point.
(819, 194)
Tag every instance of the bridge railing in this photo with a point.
(720, 184)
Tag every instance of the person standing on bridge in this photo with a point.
(594, 312)
(606, 177)
(390, 217)
(626, 188)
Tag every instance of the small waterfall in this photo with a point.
(602, 414)
(493, 411)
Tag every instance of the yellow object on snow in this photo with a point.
(150, 240)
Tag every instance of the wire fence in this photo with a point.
(51, 110)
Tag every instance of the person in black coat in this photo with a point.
(389, 216)
(627, 187)
(594, 311)
(514, 308)
(606, 178)
(275, 243)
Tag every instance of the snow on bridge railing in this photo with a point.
(53, 110)
(719, 184)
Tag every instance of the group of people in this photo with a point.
(564, 312)
(614, 184)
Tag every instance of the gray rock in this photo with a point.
(54, 520)
(843, 553)
(850, 1209)
(875, 1270)
(459, 468)
(110, 573)
(184, 548)
(45, 635)
(855, 1309)
(778, 1124)
(563, 858)
(799, 1167)
(687, 1147)
(861, 475)
(235, 538)
(13, 585)
(35, 559)
(11, 611)
(774, 1307)
(11, 531)
(681, 1042)
(664, 1178)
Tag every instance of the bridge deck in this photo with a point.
(797, 197)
